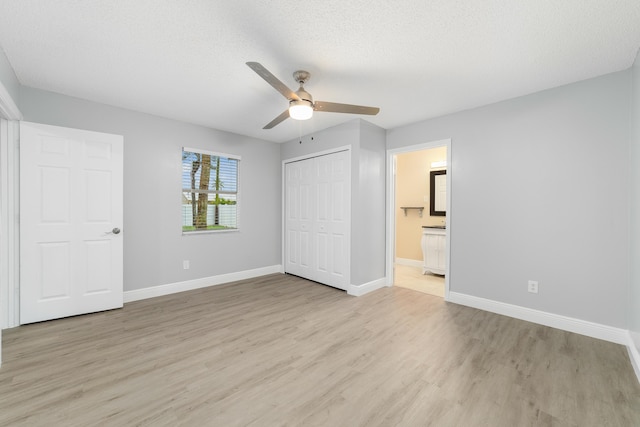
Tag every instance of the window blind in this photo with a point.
(209, 191)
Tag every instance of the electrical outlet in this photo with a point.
(185, 264)
(532, 286)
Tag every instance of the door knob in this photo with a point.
(115, 231)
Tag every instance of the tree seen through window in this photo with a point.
(209, 191)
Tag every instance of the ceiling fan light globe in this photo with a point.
(300, 110)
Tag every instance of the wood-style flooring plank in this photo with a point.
(282, 351)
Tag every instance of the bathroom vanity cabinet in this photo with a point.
(434, 240)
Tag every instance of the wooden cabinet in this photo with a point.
(434, 241)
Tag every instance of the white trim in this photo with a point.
(634, 355)
(410, 262)
(365, 288)
(391, 211)
(225, 230)
(8, 108)
(283, 212)
(570, 324)
(9, 225)
(212, 153)
(316, 154)
(14, 186)
(188, 285)
(4, 226)
(390, 226)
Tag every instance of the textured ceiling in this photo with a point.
(414, 59)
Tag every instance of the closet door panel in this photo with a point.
(298, 219)
(318, 224)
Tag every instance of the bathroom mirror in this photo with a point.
(438, 193)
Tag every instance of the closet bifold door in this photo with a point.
(298, 199)
(317, 218)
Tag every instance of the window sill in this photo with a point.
(191, 233)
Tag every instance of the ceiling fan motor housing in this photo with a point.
(301, 77)
(304, 95)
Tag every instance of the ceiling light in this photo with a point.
(300, 110)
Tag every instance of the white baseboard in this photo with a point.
(365, 288)
(188, 285)
(582, 327)
(409, 262)
(634, 355)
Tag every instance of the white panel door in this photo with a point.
(71, 211)
(298, 211)
(317, 197)
(331, 223)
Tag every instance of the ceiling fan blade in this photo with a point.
(273, 81)
(334, 107)
(282, 117)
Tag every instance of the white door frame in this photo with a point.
(283, 192)
(391, 207)
(9, 266)
(9, 225)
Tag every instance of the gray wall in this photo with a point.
(634, 199)
(541, 188)
(368, 208)
(345, 134)
(8, 78)
(367, 144)
(154, 246)
(540, 191)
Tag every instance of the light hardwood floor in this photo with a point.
(280, 350)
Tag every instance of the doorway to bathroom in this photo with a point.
(418, 219)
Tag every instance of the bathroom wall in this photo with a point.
(412, 189)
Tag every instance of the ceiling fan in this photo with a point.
(301, 105)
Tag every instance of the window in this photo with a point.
(209, 191)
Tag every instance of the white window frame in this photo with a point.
(217, 154)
